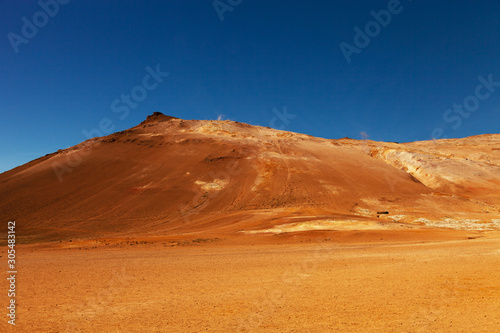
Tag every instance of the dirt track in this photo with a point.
(305, 284)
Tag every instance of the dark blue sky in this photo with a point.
(82, 63)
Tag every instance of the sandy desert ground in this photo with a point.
(379, 281)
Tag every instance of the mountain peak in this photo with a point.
(157, 117)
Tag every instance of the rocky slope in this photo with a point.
(171, 176)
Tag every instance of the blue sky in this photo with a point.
(264, 57)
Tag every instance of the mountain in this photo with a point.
(169, 176)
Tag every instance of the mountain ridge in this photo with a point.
(168, 175)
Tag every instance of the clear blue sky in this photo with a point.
(263, 55)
